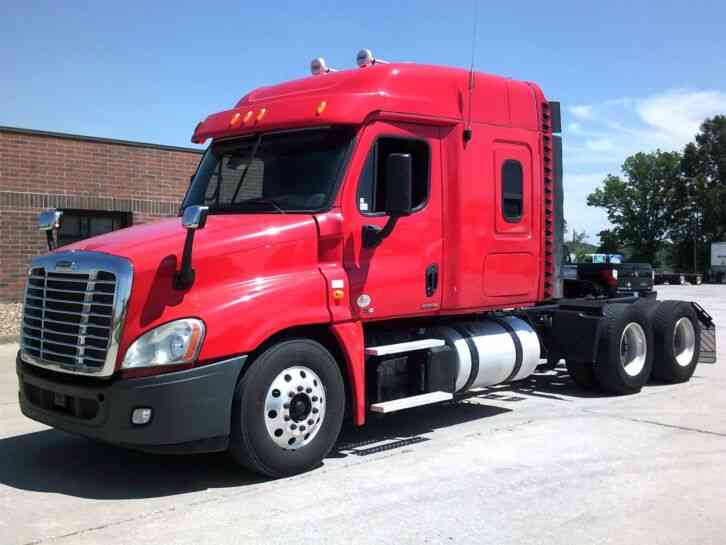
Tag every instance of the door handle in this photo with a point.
(432, 279)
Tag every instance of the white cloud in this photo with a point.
(582, 111)
(601, 144)
(678, 114)
(604, 134)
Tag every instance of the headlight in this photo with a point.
(170, 344)
(614, 273)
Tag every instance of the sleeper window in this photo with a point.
(372, 184)
(512, 191)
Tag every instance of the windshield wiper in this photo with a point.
(264, 200)
(253, 153)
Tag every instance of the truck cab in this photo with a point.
(357, 241)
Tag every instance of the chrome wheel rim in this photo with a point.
(684, 341)
(294, 407)
(633, 349)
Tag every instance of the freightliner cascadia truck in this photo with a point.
(354, 242)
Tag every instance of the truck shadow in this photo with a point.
(402, 429)
(53, 461)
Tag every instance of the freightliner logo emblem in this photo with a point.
(65, 266)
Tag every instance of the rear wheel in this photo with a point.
(625, 353)
(677, 333)
(583, 374)
(288, 409)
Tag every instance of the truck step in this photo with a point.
(398, 348)
(409, 402)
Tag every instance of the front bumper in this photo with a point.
(191, 408)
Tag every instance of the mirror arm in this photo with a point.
(184, 277)
(51, 241)
(374, 235)
(194, 217)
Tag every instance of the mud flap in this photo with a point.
(576, 335)
(708, 335)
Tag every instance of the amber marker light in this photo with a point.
(321, 107)
(261, 114)
(248, 116)
(338, 295)
(235, 120)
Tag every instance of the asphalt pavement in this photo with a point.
(538, 462)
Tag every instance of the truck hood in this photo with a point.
(146, 245)
(244, 264)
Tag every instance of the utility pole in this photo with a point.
(695, 235)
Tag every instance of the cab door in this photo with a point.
(401, 276)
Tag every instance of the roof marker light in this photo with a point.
(261, 114)
(321, 107)
(248, 116)
(235, 120)
(318, 66)
(365, 58)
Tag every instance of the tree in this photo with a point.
(703, 214)
(645, 203)
(704, 169)
(609, 242)
(578, 245)
(578, 238)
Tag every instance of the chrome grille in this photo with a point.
(74, 307)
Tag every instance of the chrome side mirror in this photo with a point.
(49, 221)
(195, 217)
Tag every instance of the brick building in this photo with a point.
(100, 184)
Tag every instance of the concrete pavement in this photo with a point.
(540, 462)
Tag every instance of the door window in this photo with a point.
(371, 196)
(512, 191)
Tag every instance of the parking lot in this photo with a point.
(535, 462)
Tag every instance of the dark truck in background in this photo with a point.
(606, 275)
(680, 278)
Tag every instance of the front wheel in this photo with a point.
(288, 409)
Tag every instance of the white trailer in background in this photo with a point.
(717, 272)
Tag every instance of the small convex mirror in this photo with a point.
(195, 217)
(48, 220)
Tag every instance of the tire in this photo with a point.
(625, 352)
(647, 305)
(295, 376)
(677, 339)
(583, 374)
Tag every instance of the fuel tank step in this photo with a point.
(409, 402)
(399, 348)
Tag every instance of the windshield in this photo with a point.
(295, 171)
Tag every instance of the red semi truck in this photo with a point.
(354, 242)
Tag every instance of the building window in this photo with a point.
(79, 224)
(512, 205)
(372, 184)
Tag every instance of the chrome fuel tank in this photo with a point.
(491, 351)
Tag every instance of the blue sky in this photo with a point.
(631, 75)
